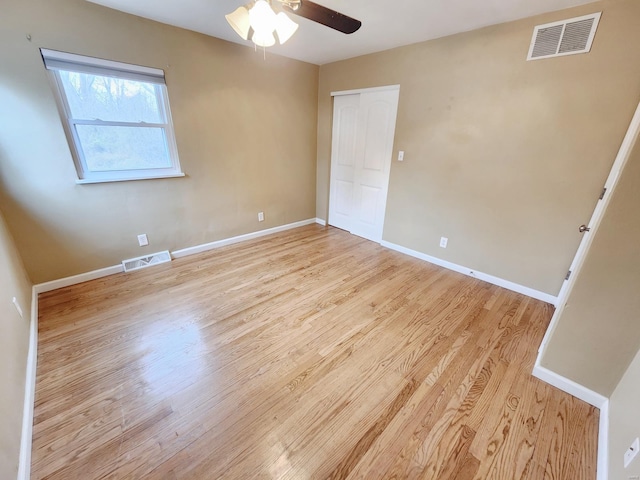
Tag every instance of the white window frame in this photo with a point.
(55, 61)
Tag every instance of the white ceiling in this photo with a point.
(385, 23)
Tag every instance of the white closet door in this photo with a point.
(343, 160)
(377, 126)
(363, 133)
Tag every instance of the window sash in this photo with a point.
(161, 98)
(128, 165)
(63, 61)
(110, 123)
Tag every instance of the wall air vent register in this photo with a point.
(567, 37)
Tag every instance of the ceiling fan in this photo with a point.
(323, 15)
(258, 21)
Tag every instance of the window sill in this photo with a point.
(85, 181)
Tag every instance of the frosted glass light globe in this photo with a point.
(262, 18)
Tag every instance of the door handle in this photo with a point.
(583, 228)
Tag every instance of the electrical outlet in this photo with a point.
(443, 242)
(17, 305)
(631, 452)
(261, 216)
(143, 241)
(401, 155)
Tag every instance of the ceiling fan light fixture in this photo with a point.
(258, 21)
(285, 27)
(239, 21)
(262, 17)
(263, 38)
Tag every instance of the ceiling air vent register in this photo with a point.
(567, 37)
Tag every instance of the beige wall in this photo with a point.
(14, 346)
(624, 422)
(245, 129)
(598, 333)
(504, 157)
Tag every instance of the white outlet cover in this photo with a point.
(143, 241)
(401, 155)
(631, 452)
(261, 216)
(443, 242)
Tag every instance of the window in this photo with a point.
(116, 117)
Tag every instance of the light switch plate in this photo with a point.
(631, 452)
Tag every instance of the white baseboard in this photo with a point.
(544, 374)
(75, 279)
(240, 238)
(602, 468)
(103, 272)
(569, 386)
(530, 292)
(592, 398)
(24, 465)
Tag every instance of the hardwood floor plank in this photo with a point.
(455, 457)
(526, 429)
(412, 459)
(466, 470)
(350, 460)
(310, 353)
(383, 452)
(489, 451)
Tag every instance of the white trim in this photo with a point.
(365, 90)
(576, 265)
(104, 272)
(75, 279)
(321, 222)
(70, 123)
(569, 386)
(530, 292)
(112, 123)
(24, 465)
(592, 398)
(612, 181)
(602, 468)
(544, 374)
(240, 238)
(86, 181)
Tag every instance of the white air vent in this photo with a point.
(146, 261)
(567, 37)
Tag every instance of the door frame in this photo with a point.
(365, 90)
(359, 91)
(630, 138)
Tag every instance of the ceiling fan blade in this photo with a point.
(325, 16)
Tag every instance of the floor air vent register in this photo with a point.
(148, 260)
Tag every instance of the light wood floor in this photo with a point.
(308, 354)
